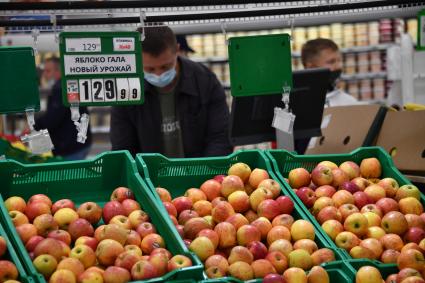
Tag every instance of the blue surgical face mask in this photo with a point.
(162, 80)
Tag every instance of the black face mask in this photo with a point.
(334, 76)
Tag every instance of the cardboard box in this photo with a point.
(345, 128)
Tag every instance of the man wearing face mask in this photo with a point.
(57, 118)
(185, 112)
(324, 53)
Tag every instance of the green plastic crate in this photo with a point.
(284, 161)
(385, 269)
(89, 180)
(12, 256)
(178, 174)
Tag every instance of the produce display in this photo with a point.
(8, 271)
(88, 243)
(240, 225)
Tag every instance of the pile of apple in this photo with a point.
(240, 225)
(367, 216)
(371, 274)
(68, 245)
(8, 271)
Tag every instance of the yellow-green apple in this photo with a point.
(241, 270)
(328, 213)
(18, 218)
(263, 225)
(347, 240)
(327, 163)
(278, 232)
(202, 247)
(322, 175)
(406, 273)
(114, 232)
(325, 191)
(300, 258)
(390, 256)
(372, 208)
(320, 203)
(45, 223)
(332, 228)
(361, 252)
(114, 274)
(262, 267)
(408, 190)
(64, 217)
(211, 234)
(218, 261)
(32, 243)
(45, 264)
(90, 211)
(368, 274)
(121, 221)
(283, 220)
(356, 223)
(240, 253)
(49, 246)
(278, 260)
(133, 238)
(268, 208)
(62, 203)
(203, 207)
(121, 193)
(322, 255)
(257, 249)
(422, 244)
(26, 231)
(414, 220)
(392, 241)
(307, 196)
(302, 229)
(273, 278)
(370, 168)
(374, 245)
(195, 195)
(160, 261)
(272, 186)
(137, 217)
(151, 242)
(65, 276)
(36, 208)
(299, 177)
(222, 211)
(40, 198)
(107, 251)
(375, 232)
(71, 264)
(110, 209)
(85, 255)
(415, 235)
(295, 275)
(238, 220)
(361, 182)
(318, 275)
(15, 203)
(342, 197)
(411, 258)
(145, 228)
(80, 227)
(394, 222)
(390, 185)
(134, 249)
(240, 169)
(211, 189)
(258, 196)
(286, 204)
(90, 277)
(178, 261)
(373, 219)
(306, 244)
(361, 199)
(410, 205)
(257, 176)
(239, 200)
(127, 259)
(215, 272)
(163, 194)
(247, 233)
(230, 184)
(351, 169)
(339, 177)
(281, 245)
(193, 226)
(227, 235)
(60, 235)
(347, 209)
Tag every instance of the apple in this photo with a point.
(349, 186)
(80, 227)
(170, 208)
(111, 209)
(138, 217)
(332, 228)
(257, 176)
(422, 244)
(415, 235)
(281, 245)
(263, 225)
(114, 232)
(351, 169)
(392, 278)
(163, 194)
(273, 278)
(272, 186)
(406, 273)
(96, 269)
(26, 231)
(214, 272)
(373, 219)
(195, 195)
(182, 203)
(40, 198)
(413, 279)
(143, 269)
(325, 191)
(151, 242)
(30, 244)
(372, 208)
(45, 264)
(108, 250)
(240, 169)
(133, 238)
(394, 222)
(211, 189)
(390, 256)
(134, 249)
(262, 267)
(202, 247)
(15, 203)
(121, 193)
(218, 261)
(278, 232)
(241, 270)
(222, 211)
(210, 234)
(127, 259)
(66, 276)
(226, 233)
(322, 175)
(375, 232)
(367, 273)
(115, 274)
(347, 209)
(240, 253)
(145, 229)
(18, 218)
(390, 185)
(193, 226)
(413, 246)
(217, 200)
(62, 203)
(392, 241)
(410, 205)
(247, 233)
(278, 260)
(258, 196)
(36, 208)
(71, 264)
(370, 168)
(361, 199)
(361, 182)
(286, 204)
(302, 229)
(374, 245)
(307, 196)
(339, 177)
(408, 190)
(347, 240)
(318, 275)
(49, 246)
(219, 178)
(342, 197)
(306, 244)
(327, 213)
(64, 217)
(178, 261)
(322, 255)
(84, 254)
(60, 235)
(298, 178)
(356, 223)
(414, 220)
(239, 200)
(257, 249)
(230, 184)
(130, 205)
(45, 223)
(238, 220)
(202, 207)
(411, 258)
(186, 215)
(327, 163)
(269, 209)
(251, 215)
(295, 275)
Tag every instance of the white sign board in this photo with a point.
(99, 64)
(83, 44)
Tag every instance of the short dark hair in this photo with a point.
(55, 60)
(312, 48)
(158, 39)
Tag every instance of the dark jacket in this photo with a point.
(201, 108)
(57, 120)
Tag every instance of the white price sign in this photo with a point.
(83, 44)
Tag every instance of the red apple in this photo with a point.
(49, 246)
(44, 224)
(361, 182)
(237, 220)
(269, 209)
(111, 209)
(390, 185)
(286, 204)
(307, 196)
(127, 259)
(339, 177)
(349, 186)
(130, 205)
(193, 226)
(257, 249)
(40, 198)
(88, 241)
(121, 193)
(145, 229)
(226, 233)
(163, 194)
(143, 269)
(26, 232)
(273, 278)
(394, 222)
(387, 204)
(36, 208)
(278, 260)
(341, 197)
(230, 184)
(182, 203)
(90, 211)
(325, 191)
(186, 215)
(15, 203)
(202, 207)
(211, 189)
(257, 176)
(327, 213)
(322, 175)
(351, 169)
(60, 235)
(219, 178)
(80, 227)
(114, 274)
(361, 199)
(414, 234)
(32, 243)
(62, 203)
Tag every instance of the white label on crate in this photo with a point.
(110, 90)
(99, 64)
(123, 43)
(326, 120)
(134, 85)
(97, 90)
(122, 89)
(91, 44)
(85, 90)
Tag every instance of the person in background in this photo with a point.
(184, 113)
(184, 48)
(324, 53)
(57, 119)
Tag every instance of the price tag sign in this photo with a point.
(101, 68)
